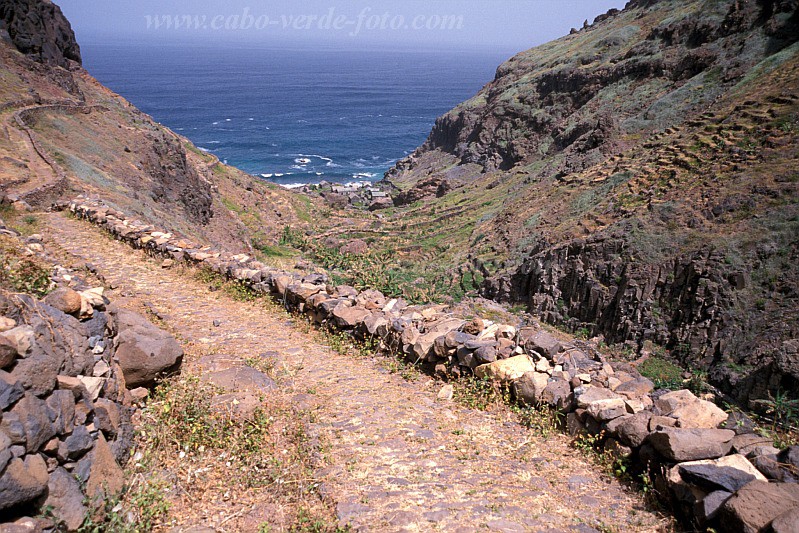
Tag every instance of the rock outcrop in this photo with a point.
(630, 179)
(39, 30)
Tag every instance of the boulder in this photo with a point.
(558, 394)
(11, 390)
(65, 300)
(75, 445)
(240, 378)
(506, 370)
(485, 354)
(144, 351)
(787, 522)
(772, 468)
(23, 480)
(709, 507)
(589, 394)
(8, 351)
(728, 473)
(753, 508)
(65, 499)
(21, 338)
(349, 316)
(543, 343)
(38, 428)
(634, 430)
(107, 417)
(790, 456)
(424, 344)
(61, 411)
(746, 443)
(679, 444)
(690, 411)
(106, 478)
(7, 324)
(529, 389)
(608, 409)
(635, 388)
(376, 324)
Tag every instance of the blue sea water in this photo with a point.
(295, 115)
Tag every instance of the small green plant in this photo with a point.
(480, 394)
(781, 407)
(664, 374)
(542, 419)
(20, 273)
(308, 522)
(138, 509)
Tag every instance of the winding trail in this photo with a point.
(396, 459)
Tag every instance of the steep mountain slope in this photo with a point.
(63, 133)
(638, 179)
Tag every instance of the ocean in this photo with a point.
(294, 115)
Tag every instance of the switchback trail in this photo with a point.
(395, 458)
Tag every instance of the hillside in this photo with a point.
(64, 133)
(638, 179)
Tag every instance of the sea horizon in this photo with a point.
(295, 114)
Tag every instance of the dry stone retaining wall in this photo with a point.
(71, 370)
(711, 467)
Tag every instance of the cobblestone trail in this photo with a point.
(396, 459)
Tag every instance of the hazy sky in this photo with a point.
(505, 24)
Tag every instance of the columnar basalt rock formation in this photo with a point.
(713, 470)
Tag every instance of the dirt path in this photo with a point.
(39, 172)
(396, 459)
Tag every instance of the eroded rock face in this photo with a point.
(40, 30)
(176, 183)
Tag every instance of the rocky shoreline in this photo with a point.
(709, 466)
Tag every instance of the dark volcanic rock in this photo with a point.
(691, 444)
(40, 30)
(716, 477)
(66, 499)
(756, 505)
(23, 480)
(145, 352)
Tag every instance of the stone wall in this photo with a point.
(72, 368)
(710, 466)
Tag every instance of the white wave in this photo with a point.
(206, 150)
(298, 167)
(216, 123)
(214, 142)
(367, 175)
(267, 176)
(251, 118)
(228, 119)
(323, 158)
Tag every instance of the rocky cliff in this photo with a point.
(64, 133)
(637, 179)
(39, 30)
